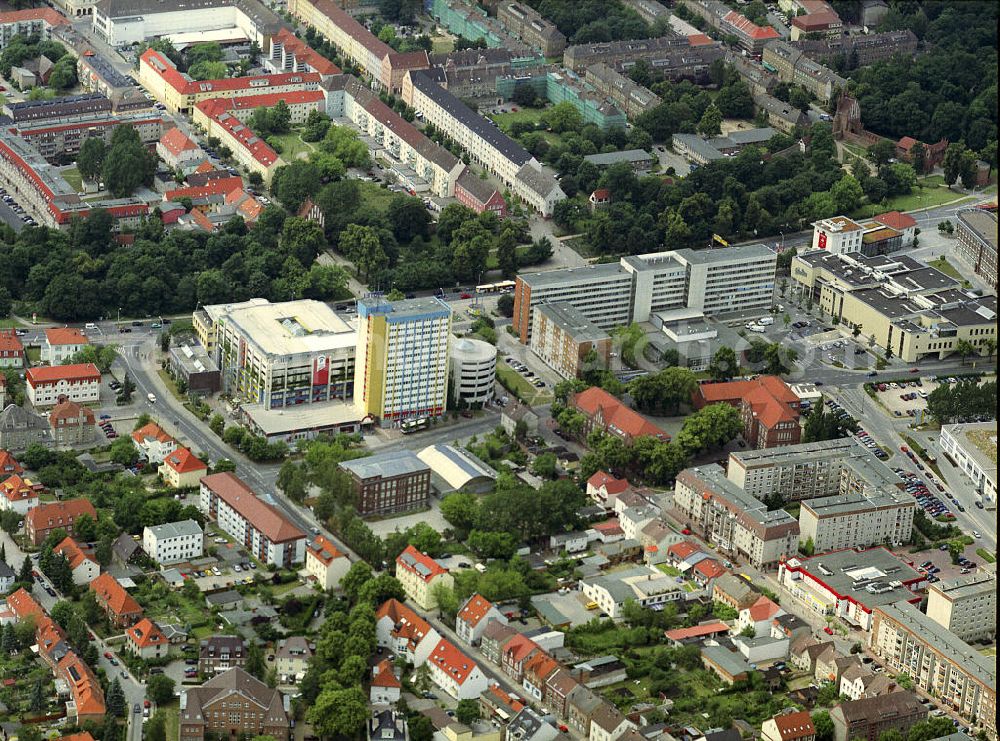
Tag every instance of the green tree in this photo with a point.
(823, 724)
(357, 576)
(160, 689)
(964, 348)
(338, 712)
(545, 465)
(156, 728)
(114, 699)
(217, 424)
(711, 122)
(255, 665)
(207, 70)
(724, 364)
(90, 159)
(881, 152)
(846, 194)
(711, 427)
(467, 711)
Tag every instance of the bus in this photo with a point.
(413, 425)
(504, 286)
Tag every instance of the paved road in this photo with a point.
(10, 218)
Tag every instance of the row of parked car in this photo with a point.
(17, 208)
(524, 371)
(930, 503)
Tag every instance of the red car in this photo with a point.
(914, 370)
(828, 631)
(466, 295)
(107, 654)
(145, 703)
(685, 531)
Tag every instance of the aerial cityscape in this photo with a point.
(498, 370)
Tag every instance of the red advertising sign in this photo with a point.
(321, 371)
(822, 240)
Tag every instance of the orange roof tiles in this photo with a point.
(50, 16)
(68, 413)
(86, 690)
(183, 460)
(186, 86)
(66, 336)
(70, 373)
(519, 648)
(408, 624)
(82, 736)
(176, 141)
(423, 566)
(682, 550)
(266, 519)
(323, 550)
(8, 463)
(57, 514)
(697, 631)
(24, 605)
(475, 609)
(151, 431)
(146, 634)
(768, 396)
(610, 484)
(10, 343)
(449, 659)
(709, 568)
(305, 53)
(896, 220)
(615, 414)
(216, 187)
(16, 489)
(73, 552)
(541, 665)
(384, 675)
(699, 39)
(763, 609)
(111, 593)
(795, 725)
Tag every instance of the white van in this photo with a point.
(766, 321)
(90, 325)
(151, 398)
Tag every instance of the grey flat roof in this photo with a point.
(572, 321)
(802, 453)
(176, 529)
(585, 274)
(841, 570)
(967, 586)
(390, 463)
(611, 158)
(961, 653)
(405, 309)
(842, 504)
(726, 254)
(982, 223)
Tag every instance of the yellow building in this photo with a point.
(910, 310)
(420, 574)
(181, 469)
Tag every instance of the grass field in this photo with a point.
(946, 267)
(519, 386)
(72, 176)
(292, 146)
(442, 44)
(933, 193)
(527, 115)
(34, 354)
(169, 382)
(376, 197)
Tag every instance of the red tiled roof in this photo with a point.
(82, 736)
(240, 497)
(615, 413)
(176, 141)
(111, 593)
(186, 86)
(519, 648)
(541, 665)
(610, 484)
(216, 187)
(795, 725)
(54, 373)
(697, 631)
(682, 550)
(68, 413)
(449, 659)
(16, 489)
(709, 568)
(86, 690)
(414, 557)
(259, 149)
(323, 550)
(748, 28)
(608, 527)
(305, 53)
(202, 221)
(23, 604)
(8, 463)
(601, 194)
(350, 26)
(146, 633)
(906, 143)
(409, 60)
(407, 624)
(896, 220)
(769, 397)
(384, 675)
(816, 21)
(153, 431)
(66, 336)
(50, 16)
(215, 106)
(699, 39)
(475, 609)
(763, 609)
(183, 460)
(57, 513)
(504, 699)
(10, 342)
(73, 552)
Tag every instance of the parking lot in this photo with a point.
(862, 435)
(907, 398)
(11, 203)
(527, 373)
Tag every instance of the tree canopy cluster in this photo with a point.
(19, 49)
(822, 424)
(164, 273)
(963, 401)
(586, 21)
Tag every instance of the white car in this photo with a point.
(151, 398)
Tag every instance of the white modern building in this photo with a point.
(473, 370)
(325, 562)
(61, 344)
(456, 673)
(121, 22)
(173, 541)
(646, 586)
(402, 362)
(252, 522)
(857, 520)
(966, 606)
(973, 447)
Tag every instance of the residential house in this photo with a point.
(602, 485)
(608, 723)
(537, 669)
(153, 443)
(119, 606)
(705, 571)
(558, 686)
(388, 725)
(9, 465)
(797, 726)
(7, 577)
(11, 350)
(733, 591)
(804, 651)
(831, 665)
(181, 469)
(221, 653)
(61, 344)
(80, 559)
(790, 627)
(493, 640)
(48, 385)
(43, 519)
(515, 653)
(455, 673)
(233, 703)
(419, 573)
(608, 414)
(146, 640)
(869, 718)
(20, 427)
(473, 616)
(858, 681)
(292, 658)
(495, 705)
(759, 616)
(172, 542)
(71, 423)
(402, 631)
(179, 151)
(18, 494)
(325, 563)
(385, 687)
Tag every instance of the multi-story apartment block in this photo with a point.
(389, 483)
(711, 282)
(82, 563)
(869, 718)
(880, 236)
(531, 27)
(11, 350)
(64, 137)
(233, 703)
(146, 640)
(976, 231)
(401, 369)
(795, 67)
(285, 354)
(734, 521)
(61, 344)
(561, 87)
(473, 618)
(421, 163)
(254, 523)
(80, 383)
(649, 10)
(419, 574)
(973, 447)
(120, 607)
(122, 23)
(456, 673)
(867, 48)
(632, 98)
(675, 57)
(857, 520)
(289, 53)
(468, 20)
(917, 311)
(66, 106)
(802, 471)
(473, 370)
(825, 22)
(486, 145)
(966, 606)
(781, 115)
(221, 653)
(173, 541)
(612, 416)
(564, 338)
(849, 584)
(45, 518)
(30, 22)
(939, 663)
(325, 563)
(248, 149)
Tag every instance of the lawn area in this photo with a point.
(986, 555)
(946, 267)
(442, 44)
(519, 386)
(527, 115)
(72, 176)
(171, 386)
(376, 197)
(34, 354)
(668, 569)
(934, 193)
(172, 713)
(292, 146)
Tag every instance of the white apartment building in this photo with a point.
(80, 383)
(735, 522)
(857, 520)
(251, 521)
(938, 662)
(473, 370)
(730, 280)
(344, 32)
(402, 364)
(973, 447)
(61, 344)
(966, 606)
(456, 673)
(837, 235)
(120, 23)
(286, 354)
(30, 22)
(795, 472)
(173, 541)
(473, 617)
(645, 585)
